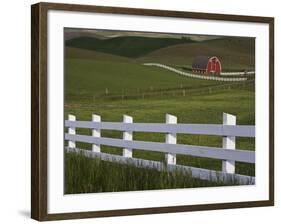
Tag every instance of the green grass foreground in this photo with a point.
(84, 175)
(200, 109)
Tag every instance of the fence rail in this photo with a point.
(228, 153)
(238, 73)
(181, 91)
(200, 129)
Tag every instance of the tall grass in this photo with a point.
(84, 175)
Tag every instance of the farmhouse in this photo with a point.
(206, 65)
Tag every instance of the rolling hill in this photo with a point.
(79, 53)
(126, 46)
(234, 53)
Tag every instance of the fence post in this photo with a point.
(127, 135)
(96, 133)
(228, 142)
(71, 131)
(171, 138)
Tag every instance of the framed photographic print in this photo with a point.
(138, 111)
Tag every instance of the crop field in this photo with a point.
(90, 74)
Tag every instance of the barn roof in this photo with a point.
(200, 62)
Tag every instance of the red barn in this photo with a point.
(206, 65)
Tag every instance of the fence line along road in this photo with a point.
(228, 153)
(191, 75)
(180, 91)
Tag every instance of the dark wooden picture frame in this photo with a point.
(39, 107)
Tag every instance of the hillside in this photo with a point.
(126, 46)
(71, 33)
(235, 53)
(98, 72)
(79, 53)
(88, 78)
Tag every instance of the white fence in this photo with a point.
(228, 153)
(191, 75)
(238, 73)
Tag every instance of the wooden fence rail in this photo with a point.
(228, 153)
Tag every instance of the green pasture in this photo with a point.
(91, 78)
(97, 71)
(191, 109)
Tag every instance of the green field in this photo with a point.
(91, 74)
(192, 109)
(95, 77)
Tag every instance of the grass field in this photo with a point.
(90, 74)
(196, 109)
(95, 77)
